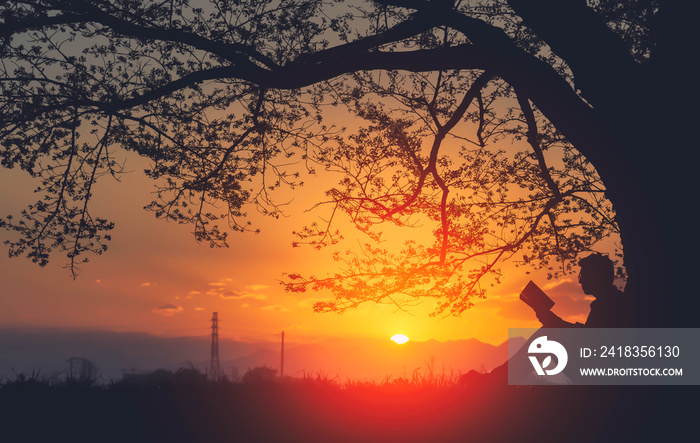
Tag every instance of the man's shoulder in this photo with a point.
(619, 297)
(610, 311)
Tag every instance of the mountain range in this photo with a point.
(117, 353)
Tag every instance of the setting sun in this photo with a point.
(399, 339)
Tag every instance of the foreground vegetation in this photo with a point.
(185, 407)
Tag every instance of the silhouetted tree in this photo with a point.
(222, 96)
(259, 374)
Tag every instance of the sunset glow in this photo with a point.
(399, 339)
(156, 280)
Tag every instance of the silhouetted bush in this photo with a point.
(260, 374)
(162, 377)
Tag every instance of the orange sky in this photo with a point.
(155, 278)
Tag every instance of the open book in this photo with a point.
(536, 298)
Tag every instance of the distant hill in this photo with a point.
(379, 359)
(115, 353)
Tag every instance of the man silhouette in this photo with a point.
(608, 310)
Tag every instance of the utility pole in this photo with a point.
(282, 358)
(214, 365)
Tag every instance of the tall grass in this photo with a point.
(430, 406)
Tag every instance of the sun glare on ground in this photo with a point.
(399, 339)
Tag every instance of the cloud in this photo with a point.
(571, 303)
(168, 310)
(308, 302)
(556, 283)
(226, 290)
(256, 287)
(146, 284)
(508, 307)
(277, 308)
(231, 294)
(564, 288)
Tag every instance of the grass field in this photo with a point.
(188, 408)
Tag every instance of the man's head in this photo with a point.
(596, 275)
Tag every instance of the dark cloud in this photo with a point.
(168, 310)
(233, 295)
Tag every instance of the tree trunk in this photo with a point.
(639, 140)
